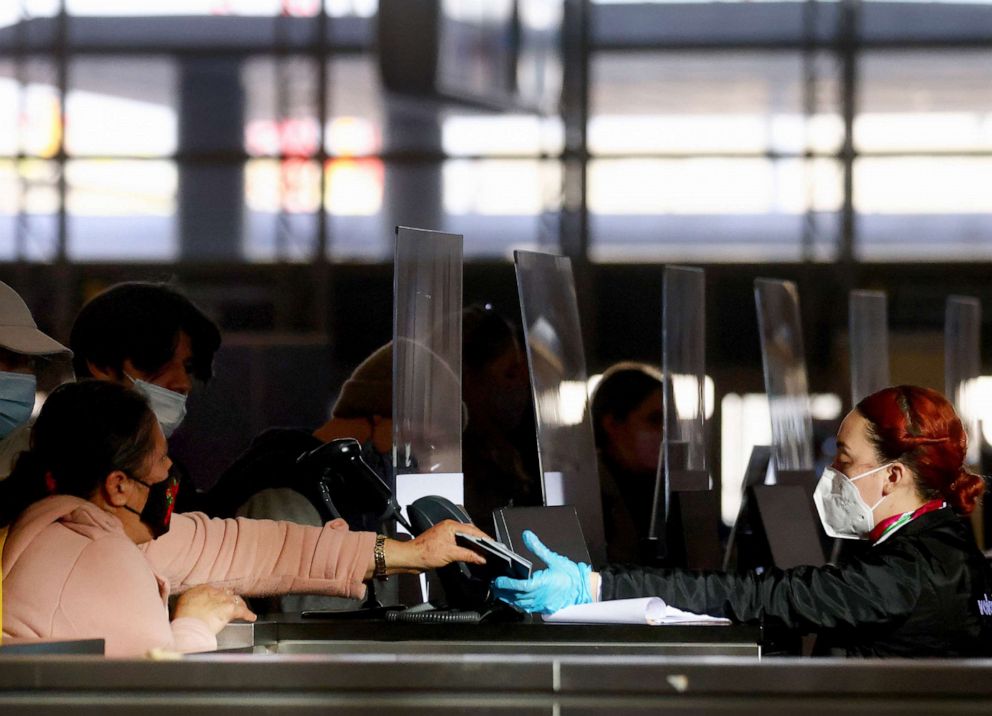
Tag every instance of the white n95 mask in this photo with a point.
(842, 510)
(168, 405)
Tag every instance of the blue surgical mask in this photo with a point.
(168, 405)
(17, 391)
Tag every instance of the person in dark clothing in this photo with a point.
(269, 480)
(151, 337)
(899, 481)
(627, 424)
(275, 479)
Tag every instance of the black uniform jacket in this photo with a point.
(923, 592)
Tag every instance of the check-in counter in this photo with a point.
(290, 634)
(289, 665)
(474, 683)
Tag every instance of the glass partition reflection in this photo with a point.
(962, 364)
(784, 361)
(683, 467)
(868, 330)
(556, 358)
(427, 352)
(684, 366)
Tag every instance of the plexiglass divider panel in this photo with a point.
(559, 382)
(868, 333)
(784, 361)
(962, 364)
(683, 464)
(427, 352)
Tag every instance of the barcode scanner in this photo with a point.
(466, 586)
(461, 589)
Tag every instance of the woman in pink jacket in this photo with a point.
(94, 551)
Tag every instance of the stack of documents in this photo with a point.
(647, 610)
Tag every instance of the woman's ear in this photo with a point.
(896, 475)
(116, 488)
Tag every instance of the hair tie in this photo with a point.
(50, 486)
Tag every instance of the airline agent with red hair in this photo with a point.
(899, 481)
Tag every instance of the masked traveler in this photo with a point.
(152, 338)
(921, 590)
(93, 549)
(24, 351)
(148, 336)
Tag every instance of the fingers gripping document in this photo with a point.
(647, 610)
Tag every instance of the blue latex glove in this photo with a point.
(563, 584)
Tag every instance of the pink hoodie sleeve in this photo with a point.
(190, 635)
(261, 557)
(86, 609)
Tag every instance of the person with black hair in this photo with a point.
(627, 425)
(92, 548)
(148, 335)
(153, 338)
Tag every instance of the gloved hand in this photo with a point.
(563, 584)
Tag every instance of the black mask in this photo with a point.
(157, 512)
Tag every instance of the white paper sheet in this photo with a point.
(647, 610)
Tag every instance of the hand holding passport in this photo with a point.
(500, 561)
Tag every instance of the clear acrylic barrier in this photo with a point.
(962, 364)
(556, 358)
(784, 361)
(868, 330)
(427, 352)
(684, 367)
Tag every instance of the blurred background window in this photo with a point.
(249, 143)
(716, 131)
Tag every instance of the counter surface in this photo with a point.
(491, 684)
(527, 637)
(290, 665)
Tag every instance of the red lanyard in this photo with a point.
(890, 524)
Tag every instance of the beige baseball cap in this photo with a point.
(18, 331)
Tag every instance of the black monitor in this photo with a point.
(776, 525)
(557, 527)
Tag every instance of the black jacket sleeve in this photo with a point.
(877, 590)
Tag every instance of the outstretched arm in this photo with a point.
(265, 557)
(874, 591)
